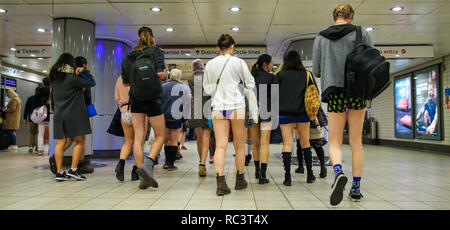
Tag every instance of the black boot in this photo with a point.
(300, 168)
(262, 178)
(222, 187)
(248, 158)
(87, 167)
(119, 170)
(321, 156)
(287, 168)
(172, 157)
(166, 153)
(257, 170)
(310, 178)
(134, 175)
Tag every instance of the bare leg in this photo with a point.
(80, 143)
(303, 132)
(129, 139)
(221, 132)
(159, 125)
(255, 136)
(205, 144)
(199, 135)
(286, 132)
(139, 120)
(355, 125)
(239, 136)
(265, 141)
(336, 124)
(59, 154)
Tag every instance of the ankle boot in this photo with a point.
(119, 170)
(310, 178)
(262, 178)
(321, 155)
(300, 168)
(167, 154)
(257, 170)
(202, 170)
(241, 183)
(134, 175)
(287, 168)
(222, 187)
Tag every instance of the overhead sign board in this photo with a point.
(27, 51)
(425, 51)
(193, 52)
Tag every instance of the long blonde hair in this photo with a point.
(13, 95)
(344, 10)
(146, 39)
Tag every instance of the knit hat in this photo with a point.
(197, 64)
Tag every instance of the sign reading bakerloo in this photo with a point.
(209, 52)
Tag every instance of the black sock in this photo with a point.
(122, 161)
(134, 168)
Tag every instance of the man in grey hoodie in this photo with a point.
(330, 51)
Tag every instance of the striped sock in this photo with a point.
(337, 168)
(356, 184)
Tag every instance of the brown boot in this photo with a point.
(222, 187)
(241, 183)
(201, 171)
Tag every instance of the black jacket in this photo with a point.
(30, 105)
(336, 32)
(87, 92)
(42, 98)
(292, 87)
(264, 78)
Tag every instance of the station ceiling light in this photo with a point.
(235, 28)
(2, 11)
(170, 29)
(41, 30)
(235, 9)
(40, 58)
(368, 29)
(44, 71)
(397, 8)
(24, 65)
(33, 55)
(155, 9)
(12, 49)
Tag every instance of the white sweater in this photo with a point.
(230, 93)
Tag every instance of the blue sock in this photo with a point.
(356, 184)
(337, 168)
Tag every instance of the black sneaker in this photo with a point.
(355, 196)
(119, 171)
(337, 190)
(62, 177)
(75, 175)
(179, 157)
(156, 161)
(171, 167)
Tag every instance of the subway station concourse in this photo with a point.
(405, 130)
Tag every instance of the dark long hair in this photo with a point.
(264, 58)
(292, 61)
(64, 59)
(225, 41)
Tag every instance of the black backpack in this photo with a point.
(366, 71)
(146, 83)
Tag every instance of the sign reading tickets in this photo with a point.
(406, 51)
(246, 52)
(33, 51)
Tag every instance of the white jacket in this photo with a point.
(230, 93)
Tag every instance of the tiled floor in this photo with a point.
(393, 179)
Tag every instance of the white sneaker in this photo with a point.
(12, 147)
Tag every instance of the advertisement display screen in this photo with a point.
(404, 127)
(427, 104)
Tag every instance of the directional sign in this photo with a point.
(192, 52)
(26, 51)
(425, 51)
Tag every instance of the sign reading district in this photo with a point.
(210, 52)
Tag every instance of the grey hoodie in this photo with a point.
(330, 51)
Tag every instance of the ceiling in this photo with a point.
(197, 22)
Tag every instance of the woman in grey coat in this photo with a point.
(70, 119)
